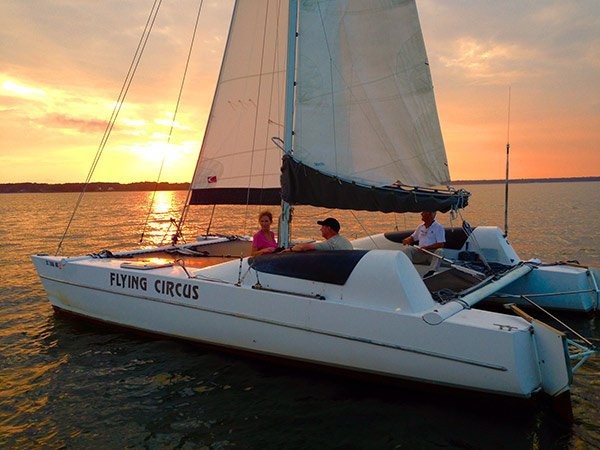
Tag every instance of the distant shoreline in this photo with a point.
(529, 180)
(15, 188)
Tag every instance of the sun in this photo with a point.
(157, 152)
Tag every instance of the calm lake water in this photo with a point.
(74, 385)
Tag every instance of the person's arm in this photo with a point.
(256, 252)
(302, 247)
(258, 241)
(412, 239)
(433, 247)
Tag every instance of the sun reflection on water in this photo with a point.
(164, 213)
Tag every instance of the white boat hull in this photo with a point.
(351, 326)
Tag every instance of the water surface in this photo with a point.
(65, 383)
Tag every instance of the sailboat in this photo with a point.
(326, 103)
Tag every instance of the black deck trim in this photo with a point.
(333, 267)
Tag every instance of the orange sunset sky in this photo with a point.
(62, 64)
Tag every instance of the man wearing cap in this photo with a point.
(330, 229)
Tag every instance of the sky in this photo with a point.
(520, 72)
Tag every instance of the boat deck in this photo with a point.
(444, 283)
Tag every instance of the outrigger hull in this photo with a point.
(558, 286)
(369, 319)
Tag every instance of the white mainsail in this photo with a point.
(365, 109)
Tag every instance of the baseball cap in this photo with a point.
(331, 223)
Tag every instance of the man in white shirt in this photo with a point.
(330, 229)
(431, 236)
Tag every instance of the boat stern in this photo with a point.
(553, 357)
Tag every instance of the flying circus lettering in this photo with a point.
(163, 287)
(176, 289)
(124, 280)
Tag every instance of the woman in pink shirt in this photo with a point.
(263, 240)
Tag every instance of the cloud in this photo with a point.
(555, 14)
(42, 106)
(66, 122)
(488, 62)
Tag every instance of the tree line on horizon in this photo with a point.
(28, 187)
(91, 187)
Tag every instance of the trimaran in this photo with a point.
(341, 92)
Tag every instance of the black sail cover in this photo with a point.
(302, 185)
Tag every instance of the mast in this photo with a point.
(507, 158)
(286, 209)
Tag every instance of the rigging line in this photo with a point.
(258, 96)
(331, 65)
(370, 236)
(531, 302)
(166, 233)
(127, 82)
(212, 215)
(507, 159)
(162, 164)
(275, 80)
(117, 108)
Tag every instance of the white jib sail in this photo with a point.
(248, 108)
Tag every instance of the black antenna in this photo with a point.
(507, 159)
